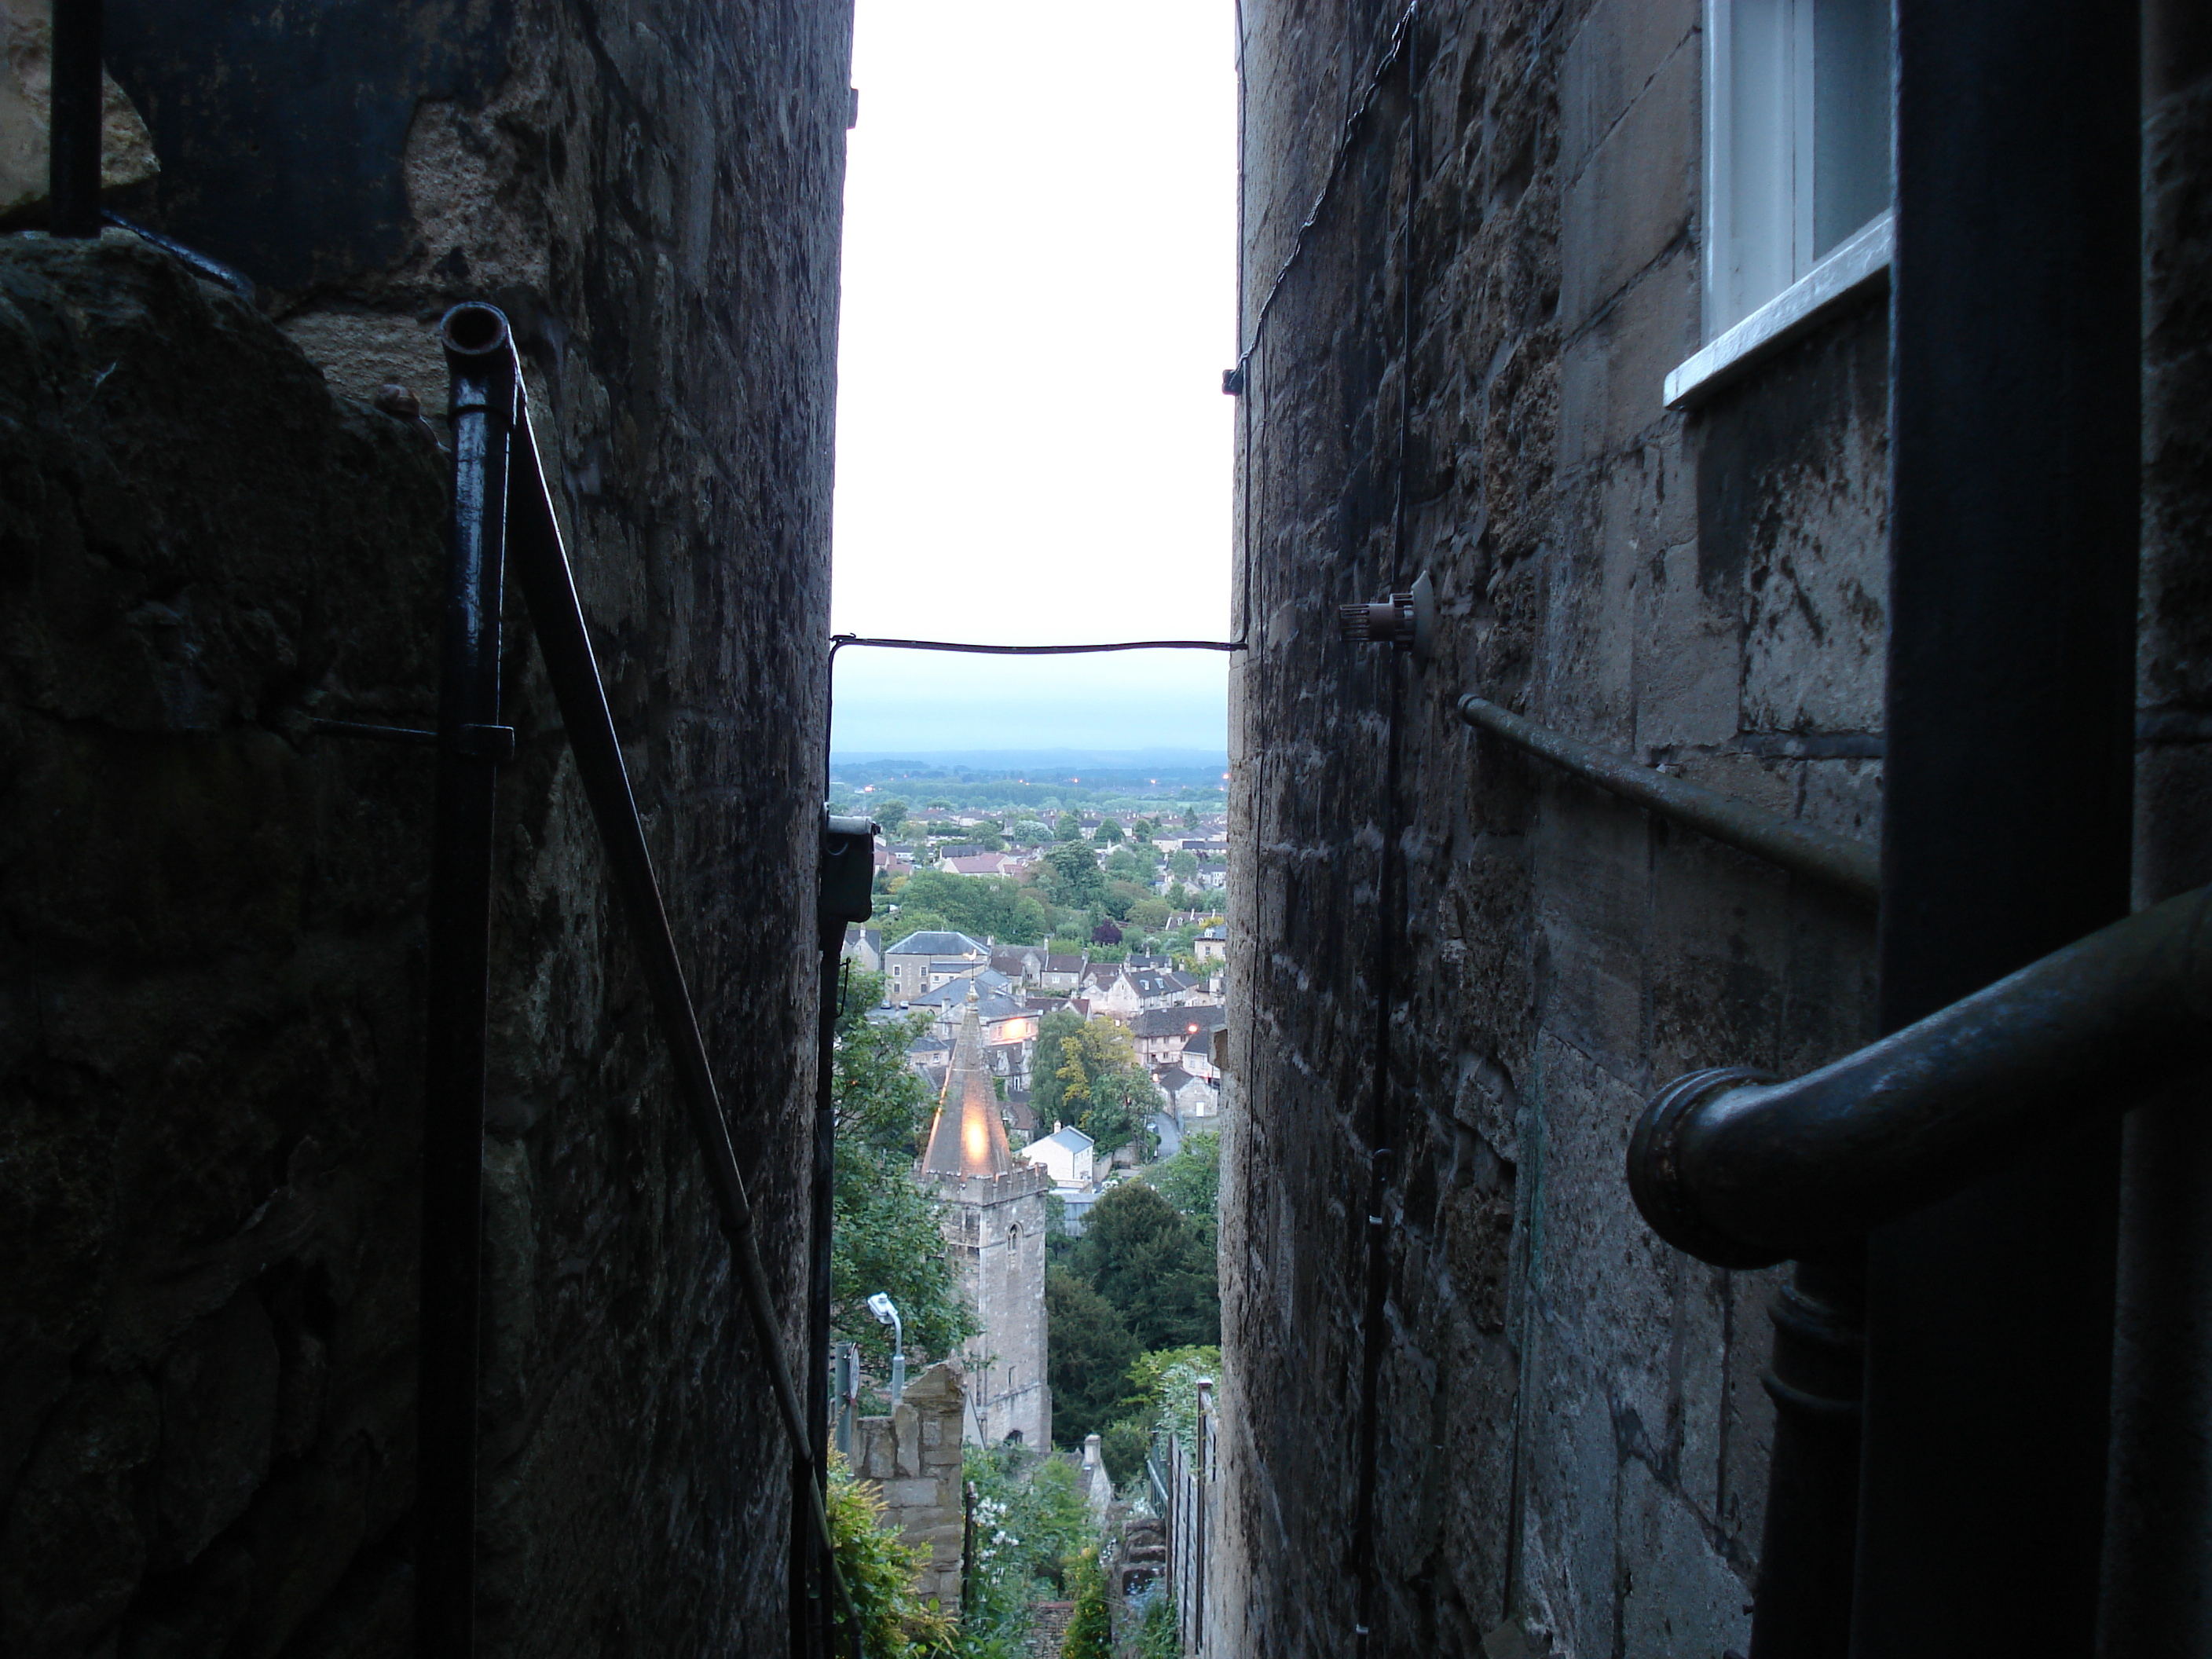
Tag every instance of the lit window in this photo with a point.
(1797, 142)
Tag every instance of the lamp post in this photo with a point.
(880, 1305)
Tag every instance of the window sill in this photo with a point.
(1858, 268)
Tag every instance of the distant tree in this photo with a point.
(1123, 896)
(1108, 834)
(1124, 864)
(1073, 877)
(1124, 1446)
(1150, 914)
(1191, 1181)
(1071, 827)
(1190, 818)
(1028, 832)
(1146, 829)
(1183, 865)
(912, 919)
(1085, 1071)
(1088, 1353)
(987, 907)
(891, 812)
(940, 805)
(1179, 896)
(1139, 1255)
(1106, 933)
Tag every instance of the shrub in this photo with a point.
(879, 1567)
(1088, 1635)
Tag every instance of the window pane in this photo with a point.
(1850, 124)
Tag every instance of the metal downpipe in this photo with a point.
(480, 360)
(1743, 1172)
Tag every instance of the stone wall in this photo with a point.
(913, 1457)
(1570, 1433)
(1570, 1437)
(210, 966)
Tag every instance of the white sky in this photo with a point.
(1032, 444)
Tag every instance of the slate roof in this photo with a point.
(1177, 1022)
(939, 944)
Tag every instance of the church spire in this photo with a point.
(968, 1138)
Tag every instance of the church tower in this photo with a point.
(994, 1239)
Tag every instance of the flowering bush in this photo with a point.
(1030, 1524)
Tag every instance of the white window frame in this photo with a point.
(1762, 287)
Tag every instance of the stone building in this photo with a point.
(1537, 303)
(212, 533)
(994, 1222)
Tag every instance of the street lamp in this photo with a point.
(880, 1305)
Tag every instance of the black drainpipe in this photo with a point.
(2014, 423)
(472, 743)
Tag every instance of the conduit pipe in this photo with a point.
(1742, 1172)
(1845, 865)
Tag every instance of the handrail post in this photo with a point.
(484, 389)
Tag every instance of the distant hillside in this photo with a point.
(1013, 762)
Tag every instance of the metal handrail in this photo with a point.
(1848, 867)
(1742, 1172)
(542, 570)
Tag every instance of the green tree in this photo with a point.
(1123, 1447)
(891, 812)
(1028, 832)
(1183, 864)
(1070, 828)
(912, 918)
(1138, 1254)
(1072, 877)
(1164, 1389)
(1150, 914)
(985, 906)
(1088, 1353)
(1190, 818)
(1085, 1071)
(1108, 834)
(1191, 1181)
(1122, 865)
(886, 1233)
(1123, 897)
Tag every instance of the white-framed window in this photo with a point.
(1797, 170)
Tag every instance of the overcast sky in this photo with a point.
(1032, 443)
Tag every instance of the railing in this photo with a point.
(1845, 865)
(501, 505)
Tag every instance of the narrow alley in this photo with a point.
(1648, 1106)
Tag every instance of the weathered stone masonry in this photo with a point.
(211, 921)
(1570, 1435)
